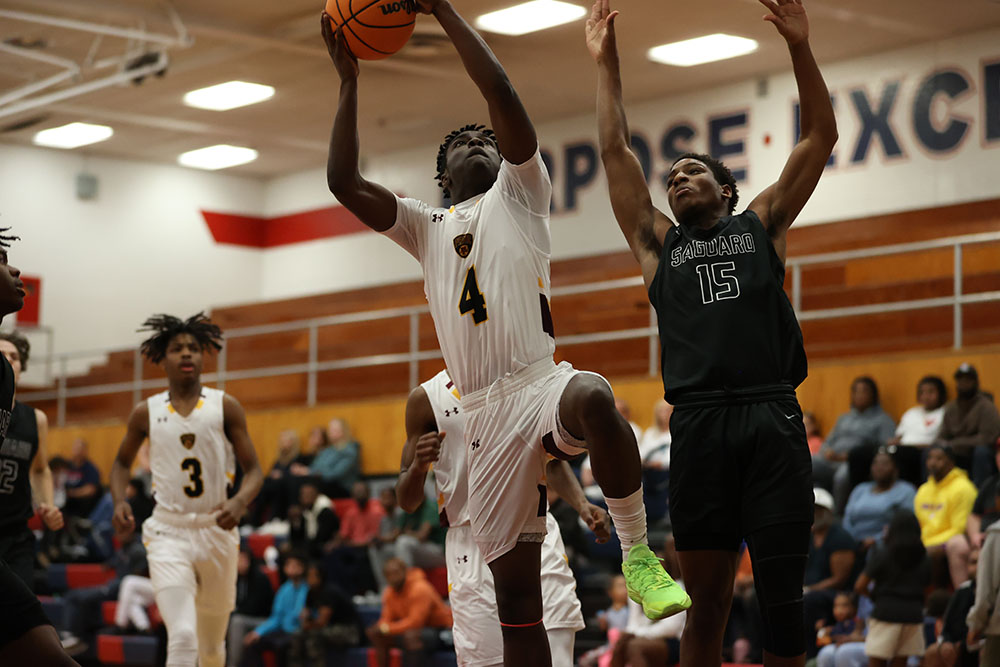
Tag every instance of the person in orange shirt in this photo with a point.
(413, 614)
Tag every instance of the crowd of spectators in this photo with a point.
(904, 558)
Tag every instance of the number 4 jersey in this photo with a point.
(486, 273)
(191, 459)
(725, 321)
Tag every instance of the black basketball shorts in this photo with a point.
(20, 610)
(738, 463)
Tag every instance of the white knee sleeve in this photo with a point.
(176, 605)
(212, 639)
(561, 642)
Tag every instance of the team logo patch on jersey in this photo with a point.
(187, 439)
(463, 245)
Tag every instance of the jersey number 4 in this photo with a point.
(472, 300)
(197, 487)
(717, 281)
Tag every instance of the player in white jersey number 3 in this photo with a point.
(485, 262)
(435, 436)
(196, 434)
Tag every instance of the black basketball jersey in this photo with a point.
(16, 454)
(725, 322)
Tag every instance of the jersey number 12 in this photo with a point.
(472, 300)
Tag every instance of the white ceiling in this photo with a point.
(417, 95)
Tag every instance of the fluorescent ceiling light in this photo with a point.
(701, 50)
(530, 17)
(219, 156)
(229, 95)
(73, 135)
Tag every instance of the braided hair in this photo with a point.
(442, 156)
(6, 239)
(165, 327)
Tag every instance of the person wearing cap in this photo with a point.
(942, 506)
(832, 553)
(971, 425)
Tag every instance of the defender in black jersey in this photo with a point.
(24, 471)
(26, 636)
(732, 352)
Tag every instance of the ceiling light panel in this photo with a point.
(73, 135)
(700, 50)
(530, 17)
(220, 156)
(229, 95)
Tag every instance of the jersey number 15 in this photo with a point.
(717, 281)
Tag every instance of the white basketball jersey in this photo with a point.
(191, 460)
(486, 273)
(450, 473)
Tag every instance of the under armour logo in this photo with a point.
(161, 420)
(474, 445)
(437, 217)
(462, 559)
(449, 412)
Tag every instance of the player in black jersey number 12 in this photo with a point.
(732, 352)
(26, 636)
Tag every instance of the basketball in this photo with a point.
(373, 29)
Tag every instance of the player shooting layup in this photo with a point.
(486, 276)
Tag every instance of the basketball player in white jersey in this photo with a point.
(485, 262)
(435, 430)
(195, 435)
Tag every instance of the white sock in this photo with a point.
(629, 517)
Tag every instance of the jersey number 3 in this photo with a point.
(197, 487)
(472, 300)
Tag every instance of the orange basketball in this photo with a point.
(373, 29)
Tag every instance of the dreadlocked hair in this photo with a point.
(442, 157)
(720, 171)
(6, 239)
(207, 333)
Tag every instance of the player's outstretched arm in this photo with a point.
(371, 203)
(422, 448)
(515, 133)
(235, 425)
(779, 205)
(41, 477)
(630, 199)
(560, 477)
(135, 433)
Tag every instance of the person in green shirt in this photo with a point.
(421, 537)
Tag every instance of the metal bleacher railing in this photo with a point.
(956, 300)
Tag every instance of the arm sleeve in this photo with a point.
(410, 227)
(527, 184)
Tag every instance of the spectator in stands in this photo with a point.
(942, 505)
(866, 424)
(276, 632)
(872, 504)
(413, 614)
(384, 546)
(276, 493)
(254, 596)
(919, 428)
(625, 410)
(654, 447)
(832, 553)
(611, 621)
(347, 562)
(899, 571)
(646, 643)
(840, 642)
(83, 482)
(134, 595)
(329, 620)
(338, 463)
(139, 500)
(812, 432)
(951, 649)
(421, 538)
(83, 605)
(971, 425)
(984, 616)
(312, 523)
